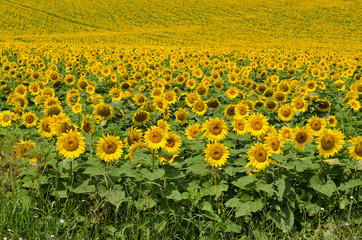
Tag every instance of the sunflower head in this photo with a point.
(355, 151)
(215, 129)
(155, 138)
(23, 147)
(71, 144)
(216, 154)
(330, 142)
(109, 148)
(259, 156)
(140, 118)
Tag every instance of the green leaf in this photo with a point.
(244, 209)
(218, 189)
(84, 187)
(199, 169)
(327, 189)
(94, 171)
(141, 157)
(171, 192)
(206, 206)
(350, 184)
(244, 182)
(283, 219)
(280, 184)
(265, 187)
(116, 197)
(158, 173)
(233, 202)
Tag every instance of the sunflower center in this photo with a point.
(242, 111)
(299, 105)
(261, 155)
(231, 111)
(104, 111)
(156, 137)
(216, 153)
(6, 119)
(358, 149)
(65, 127)
(284, 88)
(316, 125)
(140, 117)
(240, 125)
(257, 125)
(109, 147)
(171, 142)
(199, 106)
(286, 112)
(327, 142)
(46, 127)
(271, 104)
(216, 129)
(71, 143)
(275, 144)
(86, 126)
(29, 119)
(169, 97)
(301, 137)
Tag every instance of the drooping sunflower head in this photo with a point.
(216, 154)
(271, 105)
(87, 126)
(213, 103)
(109, 148)
(230, 112)
(44, 127)
(53, 110)
(215, 129)
(22, 148)
(330, 142)
(140, 118)
(323, 105)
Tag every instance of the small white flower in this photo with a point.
(9, 230)
(5, 238)
(351, 197)
(322, 208)
(220, 168)
(52, 236)
(20, 238)
(347, 224)
(61, 221)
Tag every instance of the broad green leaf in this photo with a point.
(116, 197)
(206, 206)
(158, 173)
(327, 189)
(84, 187)
(233, 202)
(350, 184)
(199, 168)
(265, 187)
(171, 192)
(244, 182)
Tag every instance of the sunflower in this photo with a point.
(257, 124)
(271, 105)
(323, 105)
(332, 121)
(77, 108)
(191, 98)
(330, 142)
(134, 136)
(230, 112)
(173, 143)
(34, 89)
(109, 148)
(242, 109)
(259, 156)
(215, 129)
(355, 151)
(155, 138)
(69, 79)
(232, 92)
(87, 125)
(23, 147)
(140, 118)
(354, 104)
(285, 133)
(316, 125)
(285, 112)
(301, 136)
(216, 154)
(192, 131)
(30, 119)
(274, 143)
(163, 125)
(213, 103)
(53, 110)
(61, 126)
(199, 107)
(133, 148)
(170, 97)
(299, 104)
(5, 119)
(181, 114)
(103, 110)
(44, 127)
(240, 125)
(71, 144)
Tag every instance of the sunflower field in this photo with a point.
(190, 119)
(233, 138)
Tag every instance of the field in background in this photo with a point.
(283, 24)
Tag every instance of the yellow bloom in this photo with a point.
(259, 156)
(155, 138)
(301, 136)
(216, 154)
(215, 129)
(173, 143)
(71, 144)
(109, 148)
(355, 151)
(257, 124)
(192, 131)
(330, 142)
